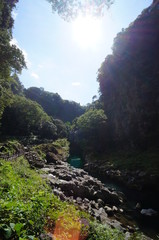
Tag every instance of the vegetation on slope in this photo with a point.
(28, 208)
(54, 105)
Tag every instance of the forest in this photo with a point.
(115, 137)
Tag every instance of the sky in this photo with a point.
(64, 57)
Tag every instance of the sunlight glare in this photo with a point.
(87, 31)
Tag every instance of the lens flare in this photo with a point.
(87, 31)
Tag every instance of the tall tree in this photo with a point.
(11, 58)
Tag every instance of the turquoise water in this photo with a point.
(75, 162)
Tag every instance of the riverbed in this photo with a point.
(132, 216)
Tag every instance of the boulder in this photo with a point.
(51, 157)
(149, 212)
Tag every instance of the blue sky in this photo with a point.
(56, 59)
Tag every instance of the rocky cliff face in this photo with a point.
(129, 82)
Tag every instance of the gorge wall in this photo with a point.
(129, 83)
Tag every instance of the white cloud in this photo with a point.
(14, 15)
(15, 42)
(28, 63)
(76, 84)
(35, 75)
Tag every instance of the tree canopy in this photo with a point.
(69, 9)
(11, 58)
(88, 130)
(54, 105)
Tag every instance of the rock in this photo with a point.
(100, 202)
(59, 194)
(142, 174)
(79, 200)
(75, 185)
(85, 200)
(109, 211)
(103, 215)
(114, 209)
(121, 210)
(51, 157)
(96, 214)
(46, 236)
(127, 235)
(149, 212)
(138, 206)
(65, 177)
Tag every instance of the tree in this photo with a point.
(23, 117)
(88, 131)
(54, 105)
(16, 85)
(69, 9)
(61, 128)
(11, 58)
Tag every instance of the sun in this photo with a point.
(87, 31)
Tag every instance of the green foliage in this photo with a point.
(11, 58)
(28, 208)
(61, 128)
(91, 120)
(48, 130)
(89, 129)
(54, 105)
(27, 205)
(98, 231)
(147, 161)
(24, 117)
(63, 147)
(102, 232)
(69, 9)
(16, 85)
(60, 147)
(5, 94)
(10, 147)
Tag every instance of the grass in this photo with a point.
(10, 147)
(27, 205)
(60, 146)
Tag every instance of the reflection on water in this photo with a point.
(75, 162)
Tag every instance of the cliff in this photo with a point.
(129, 83)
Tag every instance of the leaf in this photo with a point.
(31, 222)
(12, 225)
(31, 237)
(18, 227)
(7, 231)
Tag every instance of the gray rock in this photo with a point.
(149, 212)
(46, 236)
(109, 211)
(103, 215)
(100, 202)
(79, 200)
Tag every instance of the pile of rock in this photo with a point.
(76, 186)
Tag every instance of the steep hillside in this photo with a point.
(129, 83)
(54, 105)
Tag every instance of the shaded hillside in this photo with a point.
(129, 82)
(54, 105)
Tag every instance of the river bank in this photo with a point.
(140, 190)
